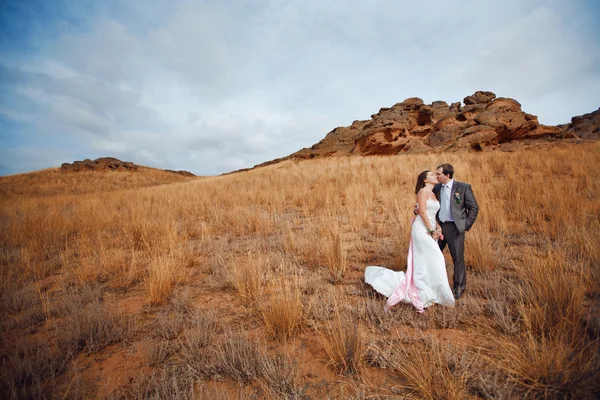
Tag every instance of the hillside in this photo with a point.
(482, 122)
(55, 181)
(251, 286)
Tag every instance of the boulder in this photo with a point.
(479, 97)
(586, 126)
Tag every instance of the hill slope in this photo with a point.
(252, 285)
(54, 181)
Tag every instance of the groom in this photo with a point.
(457, 214)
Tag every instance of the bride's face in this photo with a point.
(431, 178)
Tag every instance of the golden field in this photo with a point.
(250, 285)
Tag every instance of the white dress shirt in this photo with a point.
(445, 199)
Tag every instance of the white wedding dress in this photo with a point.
(425, 281)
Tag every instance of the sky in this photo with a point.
(212, 86)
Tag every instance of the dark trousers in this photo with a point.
(456, 242)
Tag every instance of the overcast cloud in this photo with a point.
(215, 86)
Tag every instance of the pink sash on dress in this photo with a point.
(407, 286)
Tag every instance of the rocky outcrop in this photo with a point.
(99, 164)
(108, 164)
(585, 126)
(482, 122)
(182, 173)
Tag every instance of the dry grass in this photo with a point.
(551, 356)
(335, 254)
(344, 342)
(155, 352)
(283, 312)
(52, 182)
(164, 272)
(247, 276)
(429, 368)
(84, 255)
(197, 351)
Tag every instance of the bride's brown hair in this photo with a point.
(421, 180)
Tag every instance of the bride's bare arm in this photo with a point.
(422, 202)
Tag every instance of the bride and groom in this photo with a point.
(445, 210)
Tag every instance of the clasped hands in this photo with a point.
(437, 235)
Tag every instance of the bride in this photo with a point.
(425, 281)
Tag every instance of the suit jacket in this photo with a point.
(464, 211)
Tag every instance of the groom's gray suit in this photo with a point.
(463, 210)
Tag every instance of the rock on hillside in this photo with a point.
(108, 163)
(483, 122)
(586, 126)
(99, 164)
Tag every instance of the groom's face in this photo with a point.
(441, 177)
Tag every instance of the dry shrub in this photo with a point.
(299, 241)
(213, 392)
(506, 319)
(492, 216)
(548, 367)
(553, 293)
(87, 271)
(252, 219)
(172, 382)
(431, 369)
(553, 356)
(333, 250)
(449, 317)
(131, 273)
(19, 300)
(89, 328)
(168, 323)
(283, 312)
(26, 369)
(406, 314)
(320, 308)
(75, 386)
(164, 273)
(197, 348)
(481, 253)
(247, 275)
(502, 297)
(204, 354)
(155, 352)
(373, 313)
(353, 390)
(280, 376)
(246, 360)
(240, 358)
(344, 342)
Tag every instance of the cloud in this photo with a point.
(211, 87)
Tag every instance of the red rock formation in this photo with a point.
(484, 123)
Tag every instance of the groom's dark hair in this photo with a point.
(447, 169)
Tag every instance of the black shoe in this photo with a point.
(456, 292)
